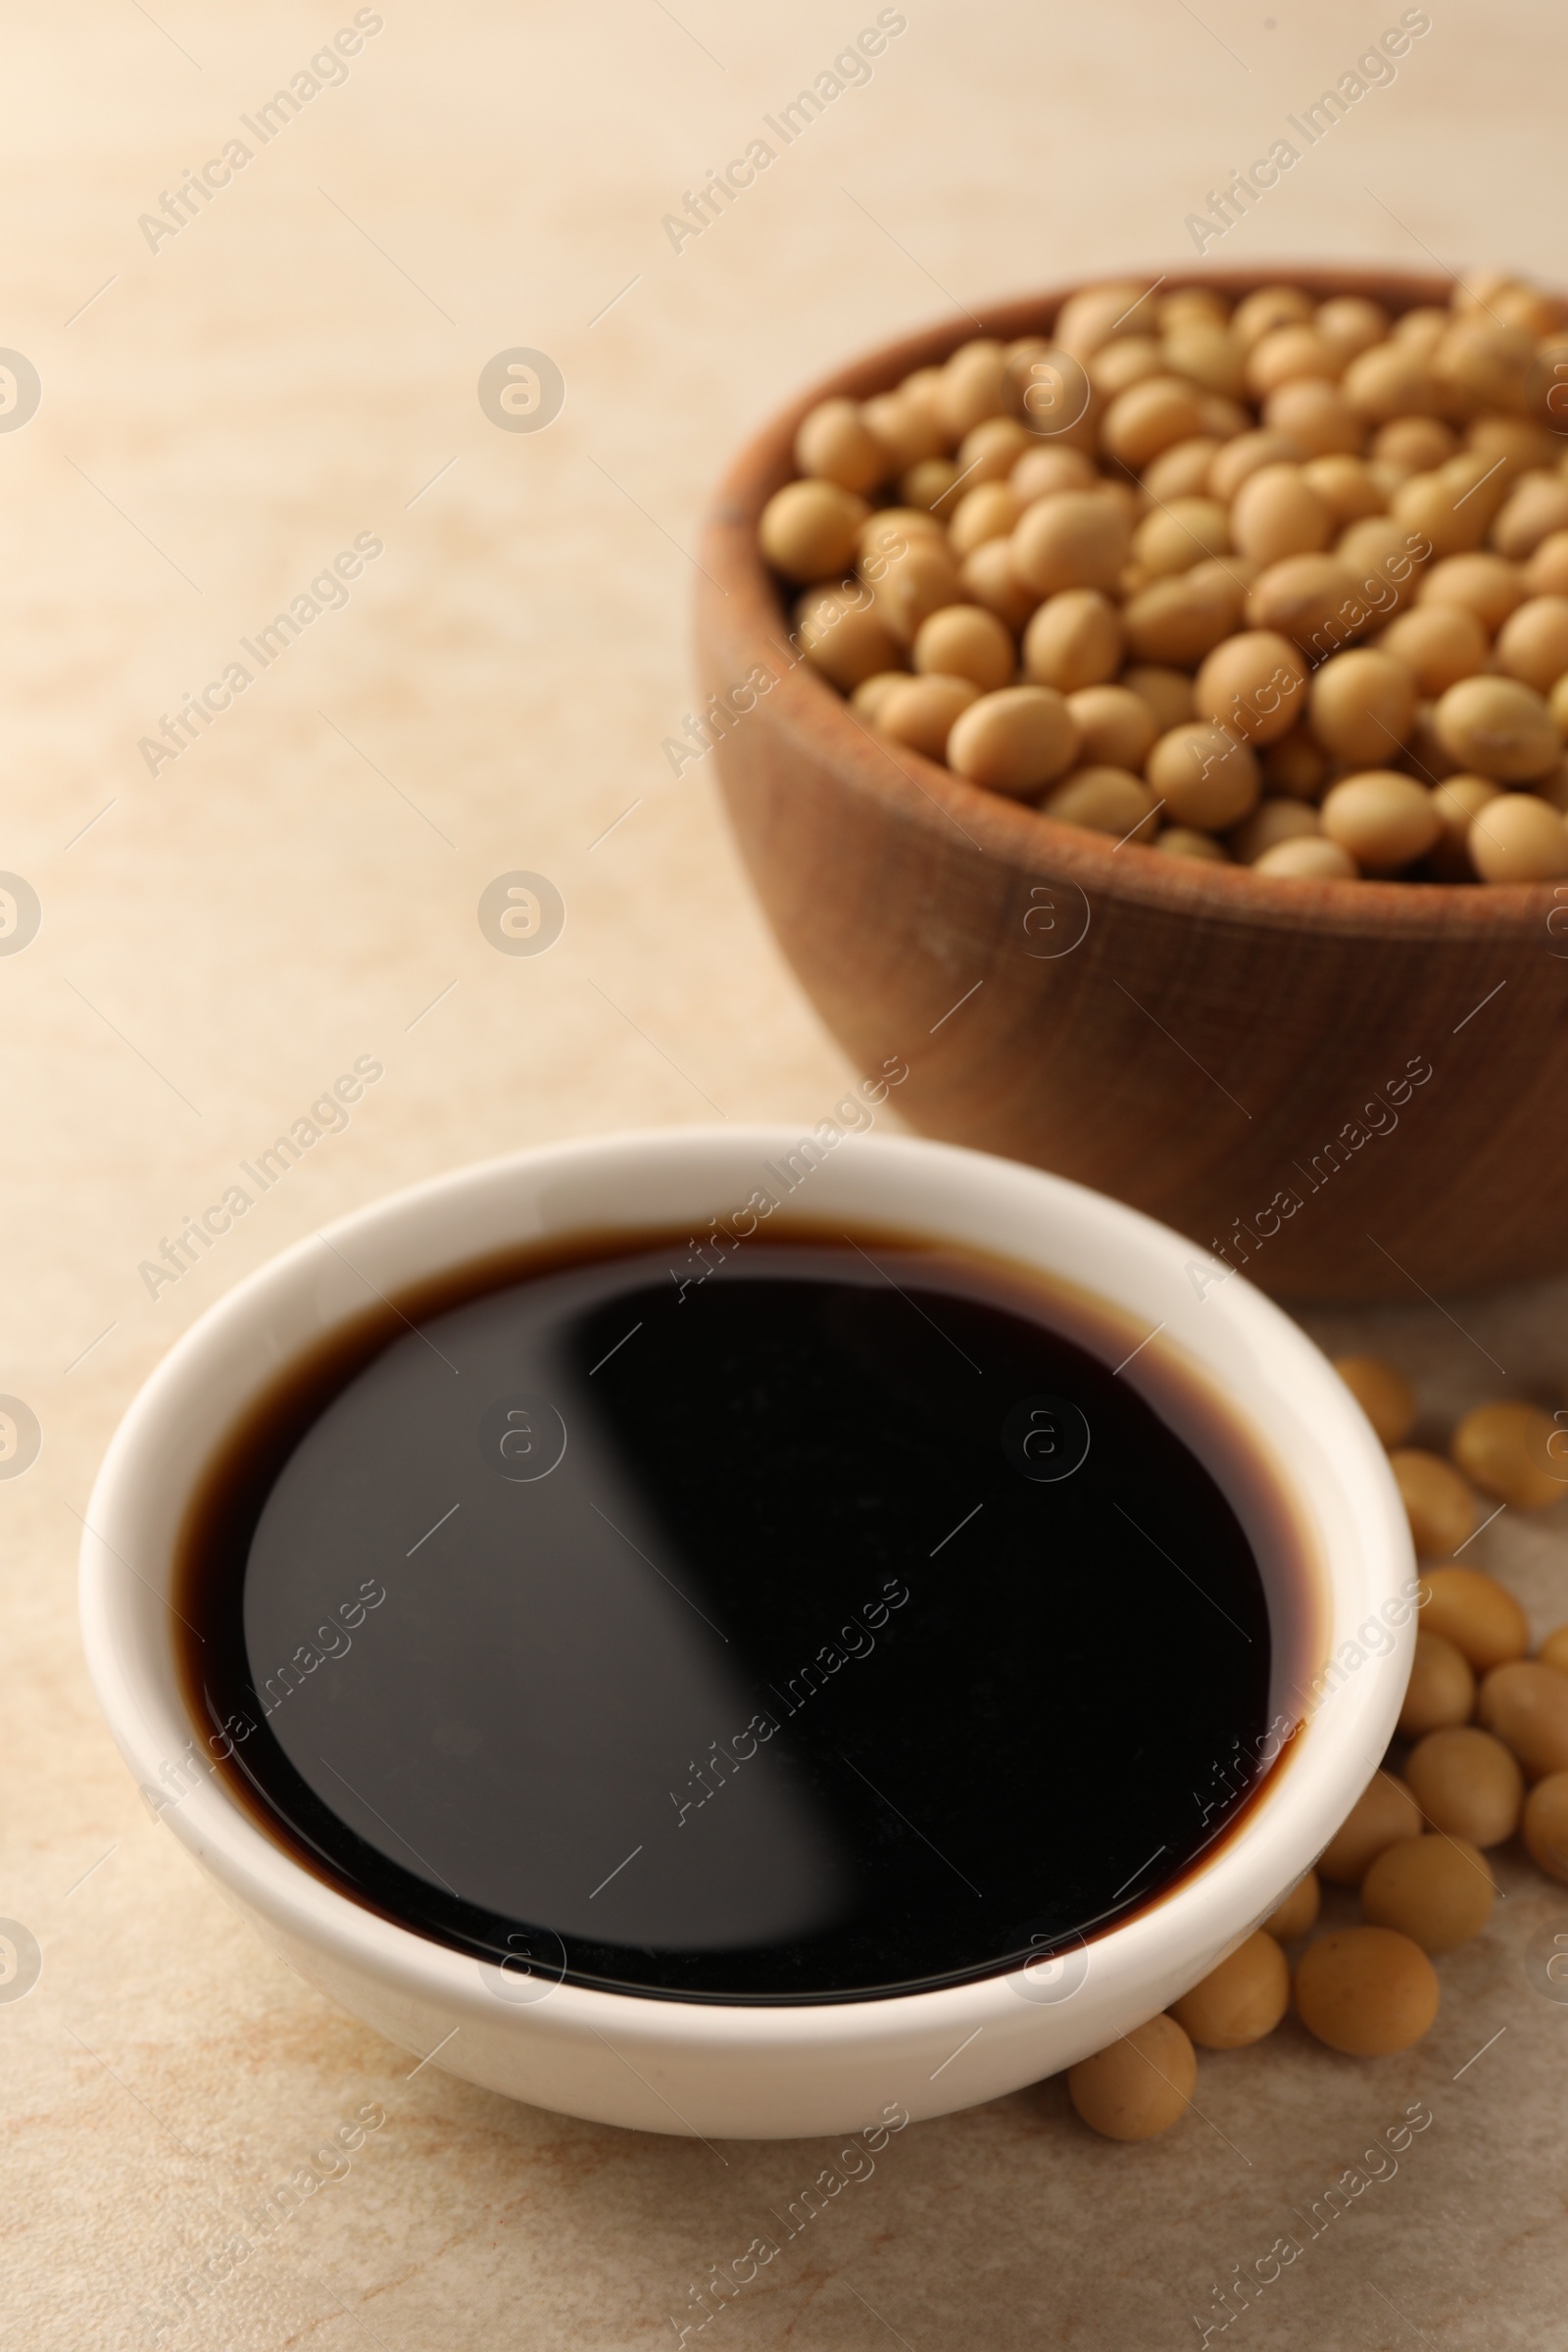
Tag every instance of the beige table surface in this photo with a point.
(220, 415)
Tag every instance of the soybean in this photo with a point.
(1497, 727)
(1271, 823)
(1350, 323)
(808, 529)
(1311, 858)
(1383, 820)
(1074, 539)
(1383, 1392)
(1040, 472)
(1277, 512)
(922, 712)
(1363, 706)
(1016, 739)
(1413, 445)
(1295, 766)
(869, 697)
(914, 584)
(1140, 2085)
(1204, 776)
(1094, 314)
(1436, 1890)
(987, 574)
(1440, 1505)
(1244, 457)
(1347, 486)
(1537, 505)
(1366, 1991)
(1169, 693)
(1526, 1704)
(1180, 533)
(1206, 351)
(1478, 1615)
(1486, 585)
(1533, 642)
(1485, 360)
(1075, 640)
(887, 533)
(1390, 380)
(927, 484)
(906, 424)
(1438, 644)
(1290, 352)
(1116, 367)
(1296, 1916)
(1423, 328)
(1254, 685)
(1271, 307)
(1448, 509)
(963, 640)
(1116, 728)
(1442, 1689)
(1107, 800)
(1312, 599)
(1518, 838)
(1182, 471)
(1316, 417)
(988, 511)
(1149, 416)
(1467, 1784)
(1386, 1810)
(835, 442)
(1458, 800)
(1522, 446)
(1177, 621)
(990, 451)
(1506, 1450)
(1546, 572)
(1240, 2001)
(1385, 555)
(969, 387)
(1185, 841)
(1546, 1825)
(843, 635)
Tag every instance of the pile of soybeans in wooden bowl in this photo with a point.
(1279, 581)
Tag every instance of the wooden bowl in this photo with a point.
(1352, 1090)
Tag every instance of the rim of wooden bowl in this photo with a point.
(741, 607)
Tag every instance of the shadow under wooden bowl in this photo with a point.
(1349, 1088)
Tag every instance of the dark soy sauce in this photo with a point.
(840, 1624)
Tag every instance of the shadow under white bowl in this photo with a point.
(705, 2068)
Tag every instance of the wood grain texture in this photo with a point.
(1209, 1048)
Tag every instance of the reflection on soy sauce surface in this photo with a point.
(846, 1622)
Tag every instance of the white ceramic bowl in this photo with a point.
(658, 2065)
